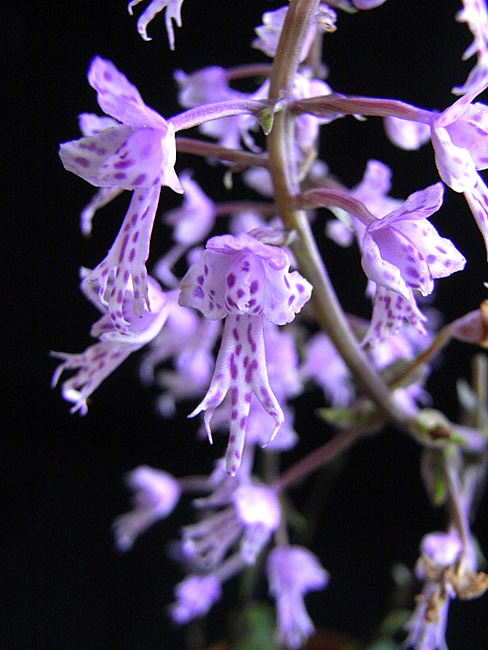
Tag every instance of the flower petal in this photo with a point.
(124, 266)
(145, 159)
(85, 156)
(119, 98)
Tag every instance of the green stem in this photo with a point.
(283, 170)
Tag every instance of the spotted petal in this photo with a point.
(85, 156)
(241, 369)
(390, 310)
(124, 265)
(477, 199)
(455, 164)
(119, 98)
(145, 159)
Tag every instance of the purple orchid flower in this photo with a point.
(245, 281)
(156, 494)
(137, 152)
(98, 361)
(292, 571)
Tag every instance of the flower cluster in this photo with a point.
(241, 316)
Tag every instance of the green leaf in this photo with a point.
(266, 119)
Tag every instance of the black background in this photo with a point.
(65, 586)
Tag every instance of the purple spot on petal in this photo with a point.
(83, 162)
(123, 164)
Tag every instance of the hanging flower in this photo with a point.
(292, 571)
(245, 281)
(135, 151)
(98, 361)
(156, 493)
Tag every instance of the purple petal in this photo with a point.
(85, 156)
(119, 98)
(124, 266)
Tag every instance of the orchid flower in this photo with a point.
(98, 361)
(156, 494)
(292, 571)
(474, 13)
(245, 281)
(136, 151)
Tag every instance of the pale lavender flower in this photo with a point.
(258, 510)
(323, 365)
(209, 84)
(194, 219)
(173, 12)
(137, 153)
(406, 134)
(246, 281)
(292, 571)
(98, 361)
(269, 32)
(195, 595)
(191, 223)
(246, 513)
(474, 13)
(403, 251)
(460, 139)
(156, 494)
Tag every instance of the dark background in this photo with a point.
(64, 584)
